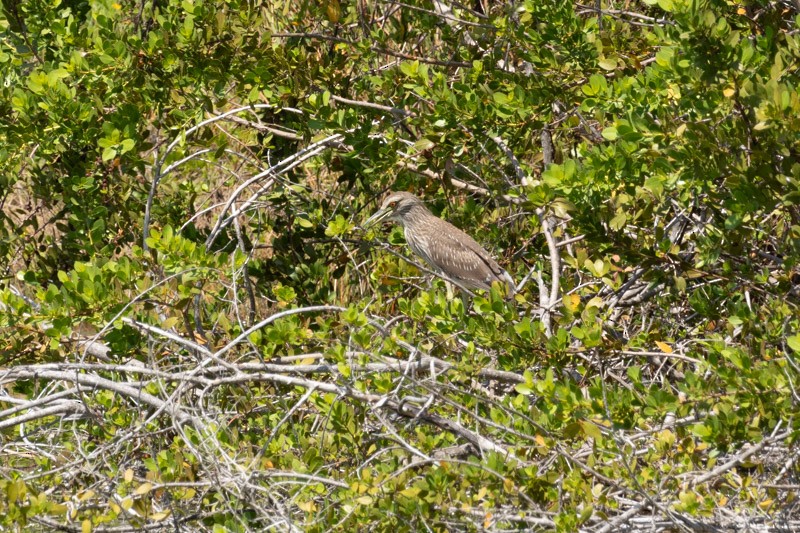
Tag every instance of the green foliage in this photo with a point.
(196, 331)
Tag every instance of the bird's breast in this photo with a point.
(420, 245)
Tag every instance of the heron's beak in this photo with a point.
(379, 215)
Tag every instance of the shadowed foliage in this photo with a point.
(198, 334)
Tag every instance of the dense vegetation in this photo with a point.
(197, 334)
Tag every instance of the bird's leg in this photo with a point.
(465, 301)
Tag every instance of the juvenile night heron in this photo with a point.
(442, 245)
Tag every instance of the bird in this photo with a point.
(450, 251)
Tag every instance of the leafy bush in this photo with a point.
(197, 333)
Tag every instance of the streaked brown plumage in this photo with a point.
(442, 245)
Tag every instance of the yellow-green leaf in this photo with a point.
(664, 347)
(608, 63)
(144, 488)
(794, 342)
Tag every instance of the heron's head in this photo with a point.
(398, 207)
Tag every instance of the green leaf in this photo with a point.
(524, 388)
(109, 153)
(619, 221)
(304, 222)
(338, 227)
(664, 56)
(702, 431)
(608, 63)
(423, 144)
(500, 98)
(654, 185)
(127, 145)
(409, 68)
(36, 82)
(284, 294)
(597, 85)
(794, 342)
(591, 430)
(666, 5)
(55, 75)
(609, 133)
